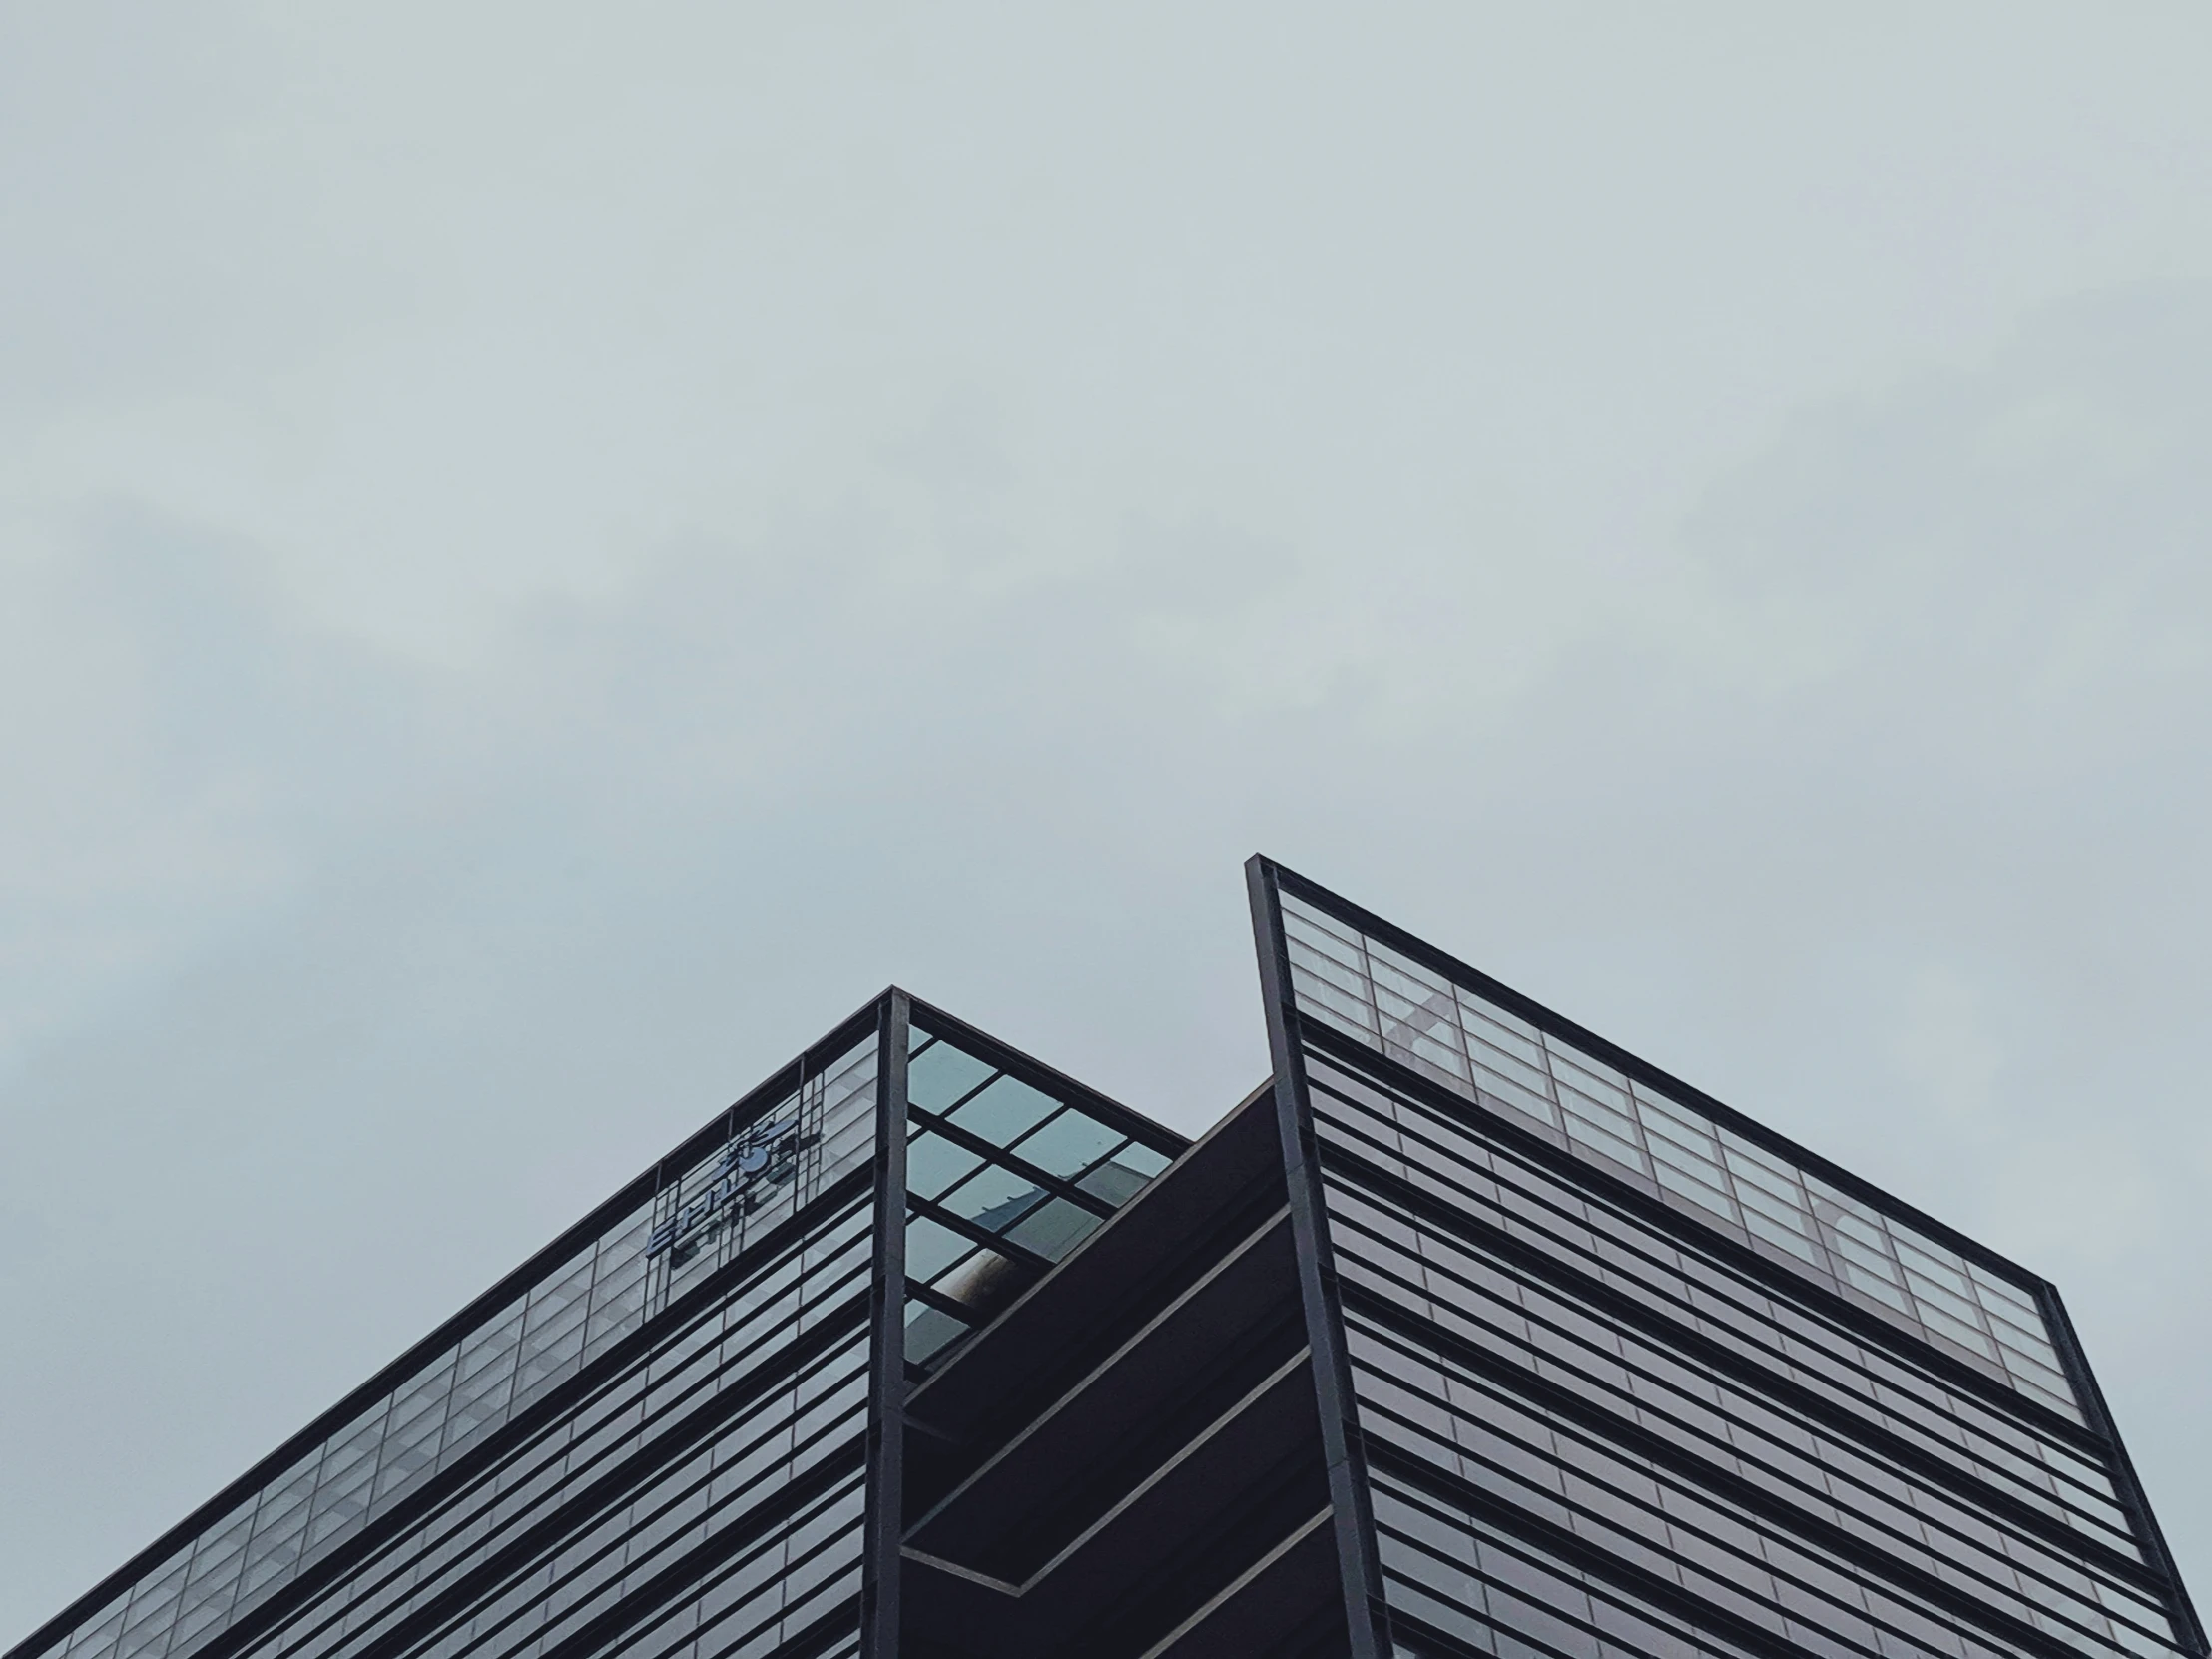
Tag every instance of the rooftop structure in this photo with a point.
(1465, 1333)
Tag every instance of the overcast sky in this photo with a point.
(547, 553)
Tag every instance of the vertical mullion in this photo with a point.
(885, 1504)
(1353, 1519)
(2120, 1467)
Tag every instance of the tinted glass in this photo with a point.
(1560, 1395)
(453, 1408)
(968, 1191)
(1067, 1145)
(1412, 1014)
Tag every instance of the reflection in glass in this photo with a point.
(1070, 1143)
(941, 1075)
(1115, 1182)
(934, 1163)
(995, 1197)
(1054, 1229)
(929, 1330)
(932, 1247)
(1455, 1037)
(984, 1282)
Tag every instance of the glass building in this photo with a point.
(1465, 1333)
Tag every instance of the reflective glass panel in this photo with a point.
(455, 1403)
(1454, 1036)
(1002, 1112)
(1068, 1144)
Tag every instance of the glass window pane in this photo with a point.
(1054, 1229)
(1114, 1181)
(995, 1197)
(929, 1330)
(941, 1075)
(1004, 1110)
(1143, 1159)
(1068, 1143)
(932, 1247)
(934, 1163)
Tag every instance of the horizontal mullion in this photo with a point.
(994, 1153)
(549, 1530)
(851, 1535)
(825, 1439)
(649, 1606)
(1396, 1577)
(1995, 1392)
(916, 1290)
(627, 1530)
(1914, 1555)
(1782, 1558)
(977, 1233)
(1549, 1548)
(1646, 1311)
(468, 1506)
(556, 1450)
(1414, 1327)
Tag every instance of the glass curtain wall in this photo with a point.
(1003, 1178)
(653, 1440)
(1602, 1416)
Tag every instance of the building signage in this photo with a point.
(764, 1157)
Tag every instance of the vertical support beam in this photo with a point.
(1317, 1278)
(886, 1415)
(2148, 1538)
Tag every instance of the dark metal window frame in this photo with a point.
(1052, 1185)
(1289, 1034)
(875, 1461)
(544, 1516)
(981, 1045)
(1566, 1279)
(1664, 1221)
(526, 1429)
(482, 1310)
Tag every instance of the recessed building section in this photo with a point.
(1465, 1333)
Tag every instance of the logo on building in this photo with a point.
(762, 1159)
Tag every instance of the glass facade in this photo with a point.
(1003, 1178)
(683, 1385)
(1454, 1035)
(1629, 1378)
(659, 1436)
(1466, 1334)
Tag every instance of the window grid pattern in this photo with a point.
(1516, 1433)
(1003, 1180)
(1490, 1592)
(601, 1294)
(1839, 1374)
(1697, 1291)
(653, 1479)
(1404, 1010)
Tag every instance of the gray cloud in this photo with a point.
(543, 573)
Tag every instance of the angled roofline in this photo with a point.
(1643, 1072)
(844, 1035)
(1050, 1079)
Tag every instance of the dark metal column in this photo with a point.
(1348, 1483)
(888, 1357)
